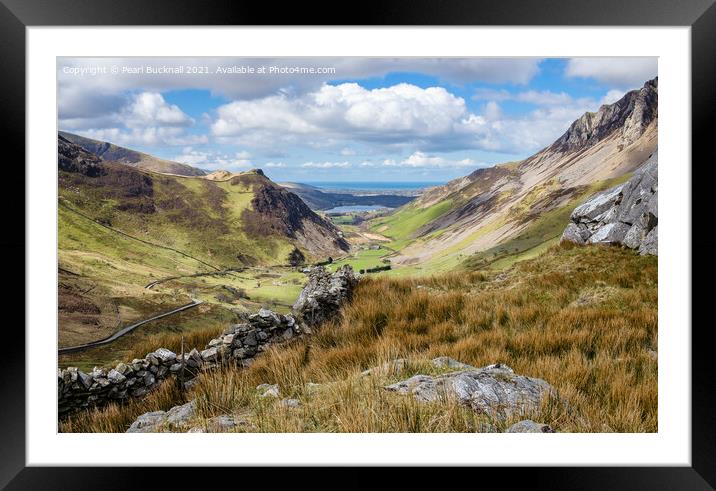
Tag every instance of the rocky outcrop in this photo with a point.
(626, 214)
(494, 390)
(324, 293)
(239, 343)
(630, 115)
(73, 158)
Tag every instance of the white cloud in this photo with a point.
(621, 72)
(209, 160)
(326, 165)
(150, 109)
(421, 159)
(275, 164)
(612, 96)
(347, 152)
(538, 98)
(403, 115)
(144, 119)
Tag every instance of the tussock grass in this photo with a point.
(547, 317)
(116, 418)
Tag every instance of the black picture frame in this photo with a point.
(16, 15)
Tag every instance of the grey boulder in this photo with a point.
(494, 390)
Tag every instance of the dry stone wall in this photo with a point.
(239, 343)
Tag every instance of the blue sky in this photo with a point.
(366, 119)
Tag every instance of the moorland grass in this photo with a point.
(582, 318)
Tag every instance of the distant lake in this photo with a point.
(349, 209)
(374, 186)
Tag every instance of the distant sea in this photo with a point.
(374, 186)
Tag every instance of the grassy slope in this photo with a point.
(542, 232)
(582, 318)
(201, 219)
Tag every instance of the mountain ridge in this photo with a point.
(121, 155)
(494, 205)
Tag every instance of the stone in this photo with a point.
(624, 215)
(149, 379)
(324, 294)
(115, 377)
(250, 340)
(148, 422)
(494, 390)
(165, 356)
(84, 379)
(611, 233)
(529, 426)
(209, 354)
(290, 403)
(181, 415)
(268, 390)
(572, 234)
(650, 245)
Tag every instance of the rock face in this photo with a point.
(240, 343)
(321, 298)
(626, 214)
(494, 390)
(630, 115)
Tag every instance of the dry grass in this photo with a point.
(545, 317)
(116, 418)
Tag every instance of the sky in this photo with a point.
(339, 119)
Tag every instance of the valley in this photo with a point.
(546, 263)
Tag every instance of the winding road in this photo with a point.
(125, 330)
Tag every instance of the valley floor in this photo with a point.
(583, 319)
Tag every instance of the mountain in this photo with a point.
(114, 153)
(325, 200)
(133, 243)
(512, 208)
(244, 216)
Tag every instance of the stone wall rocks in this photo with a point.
(239, 343)
(324, 293)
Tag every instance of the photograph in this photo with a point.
(357, 244)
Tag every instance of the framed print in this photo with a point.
(429, 238)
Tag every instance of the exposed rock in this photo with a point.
(180, 415)
(324, 294)
(290, 403)
(148, 422)
(630, 115)
(626, 214)
(529, 426)
(268, 390)
(156, 421)
(494, 390)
